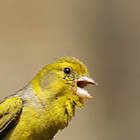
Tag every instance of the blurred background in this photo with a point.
(103, 34)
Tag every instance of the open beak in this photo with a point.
(81, 83)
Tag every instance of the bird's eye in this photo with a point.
(67, 70)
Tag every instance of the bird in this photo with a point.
(47, 103)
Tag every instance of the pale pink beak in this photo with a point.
(81, 83)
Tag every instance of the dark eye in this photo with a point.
(67, 70)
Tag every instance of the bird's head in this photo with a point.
(66, 77)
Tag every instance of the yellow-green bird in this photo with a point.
(47, 103)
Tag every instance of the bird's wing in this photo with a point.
(9, 111)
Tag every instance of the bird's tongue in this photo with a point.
(81, 83)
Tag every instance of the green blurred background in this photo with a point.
(105, 35)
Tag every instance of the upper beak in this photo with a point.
(87, 79)
(81, 83)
